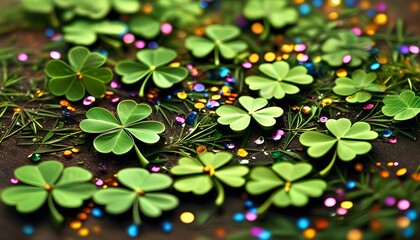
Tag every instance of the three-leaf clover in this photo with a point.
(221, 37)
(276, 12)
(83, 74)
(239, 119)
(346, 43)
(348, 140)
(358, 87)
(206, 171)
(152, 64)
(284, 178)
(117, 134)
(402, 107)
(277, 81)
(49, 182)
(141, 194)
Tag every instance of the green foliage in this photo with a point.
(277, 81)
(116, 135)
(358, 87)
(39, 6)
(141, 194)
(208, 171)
(49, 182)
(83, 74)
(344, 43)
(152, 64)
(86, 33)
(283, 177)
(238, 119)
(276, 12)
(221, 40)
(402, 107)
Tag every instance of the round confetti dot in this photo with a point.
(309, 233)
(220, 232)
(97, 212)
(82, 216)
(306, 109)
(253, 58)
(257, 28)
(247, 65)
(166, 28)
(269, 56)
(23, 57)
(354, 234)
(390, 201)
(167, 227)
(403, 222)
(393, 140)
(323, 119)
(334, 3)
(199, 105)
(346, 59)
(287, 48)
(300, 47)
(368, 106)
(256, 231)
(404, 49)
(341, 211)
(200, 149)
(411, 214)
(128, 38)
(332, 15)
(350, 184)
(330, 202)
(133, 230)
(326, 102)
(374, 66)
(242, 152)
(28, 229)
(14, 181)
(75, 224)
(250, 216)
(386, 133)
(384, 173)
(358, 167)
(381, 19)
(403, 204)
(83, 232)
(302, 57)
(375, 225)
(187, 217)
(199, 87)
(265, 235)
(341, 72)
(321, 224)
(182, 95)
(238, 217)
(140, 44)
(277, 135)
(305, 9)
(68, 154)
(153, 44)
(55, 55)
(357, 31)
(303, 223)
(346, 204)
(409, 232)
(401, 172)
(414, 49)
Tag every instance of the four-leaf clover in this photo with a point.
(206, 171)
(220, 41)
(141, 194)
(277, 81)
(49, 182)
(402, 107)
(284, 178)
(348, 140)
(152, 64)
(117, 134)
(84, 73)
(358, 87)
(239, 119)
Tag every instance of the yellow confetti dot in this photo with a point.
(269, 56)
(216, 97)
(332, 15)
(68, 154)
(390, 164)
(187, 217)
(341, 72)
(354, 234)
(202, 100)
(285, 56)
(287, 48)
(225, 89)
(242, 152)
(382, 59)
(75, 150)
(381, 19)
(83, 232)
(317, 59)
(326, 102)
(75, 224)
(175, 64)
(253, 58)
(181, 95)
(299, 1)
(18, 109)
(401, 172)
(214, 89)
(309, 233)
(403, 222)
(199, 105)
(370, 29)
(306, 109)
(257, 28)
(346, 204)
(334, 3)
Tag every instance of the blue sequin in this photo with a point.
(409, 232)
(28, 229)
(249, 203)
(152, 45)
(223, 72)
(49, 32)
(411, 214)
(387, 133)
(133, 230)
(167, 227)
(238, 217)
(351, 184)
(318, 3)
(302, 223)
(97, 212)
(266, 235)
(375, 66)
(305, 9)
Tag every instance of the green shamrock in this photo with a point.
(358, 87)
(116, 135)
(239, 119)
(402, 107)
(276, 12)
(92, 9)
(152, 64)
(84, 73)
(283, 177)
(206, 171)
(347, 139)
(141, 194)
(49, 182)
(220, 41)
(83, 32)
(277, 81)
(346, 43)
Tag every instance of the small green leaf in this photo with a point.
(25, 198)
(402, 107)
(276, 12)
(145, 25)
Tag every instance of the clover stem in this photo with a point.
(143, 161)
(264, 35)
(264, 207)
(136, 215)
(216, 56)
(57, 217)
(143, 85)
(326, 170)
(220, 193)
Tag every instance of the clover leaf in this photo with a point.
(49, 182)
(284, 178)
(221, 37)
(38, 6)
(152, 64)
(276, 12)
(402, 107)
(358, 87)
(348, 140)
(141, 193)
(85, 33)
(83, 74)
(92, 9)
(346, 43)
(277, 81)
(208, 171)
(126, 6)
(116, 135)
(239, 119)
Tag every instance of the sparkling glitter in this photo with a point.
(403, 204)
(330, 202)
(55, 55)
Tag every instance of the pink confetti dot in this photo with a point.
(23, 57)
(128, 38)
(99, 182)
(249, 216)
(166, 28)
(393, 140)
(390, 201)
(346, 59)
(341, 211)
(55, 55)
(247, 65)
(368, 106)
(155, 169)
(14, 181)
(330, 202)
(357, 31)
(414, 49)
(403, 204)
(140, 44)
